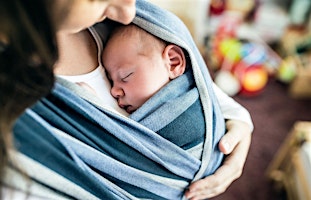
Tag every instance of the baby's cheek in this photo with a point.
(140, 95)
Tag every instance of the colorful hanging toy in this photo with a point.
(242, 68)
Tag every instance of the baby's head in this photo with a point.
(143, 42)
(139, 64)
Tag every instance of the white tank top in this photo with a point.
(96, 81)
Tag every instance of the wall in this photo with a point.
(192, 12)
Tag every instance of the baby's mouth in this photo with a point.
(127, 108)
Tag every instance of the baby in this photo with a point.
(139, 65)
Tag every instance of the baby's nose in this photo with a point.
(117, 92)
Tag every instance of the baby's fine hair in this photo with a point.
(146, 39)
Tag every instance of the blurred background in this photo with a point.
(259, 52)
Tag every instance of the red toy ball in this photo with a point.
(252, 78)
(217, 7)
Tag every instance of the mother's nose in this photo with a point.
(122, 11)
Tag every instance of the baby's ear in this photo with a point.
(176, 61)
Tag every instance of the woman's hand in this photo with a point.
(235, 143)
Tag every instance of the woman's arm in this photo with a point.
(235, 144)
(231, 109)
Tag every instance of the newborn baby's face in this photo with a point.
(135, 76)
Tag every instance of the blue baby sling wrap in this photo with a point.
(114, 157)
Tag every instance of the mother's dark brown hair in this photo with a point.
(27, 54)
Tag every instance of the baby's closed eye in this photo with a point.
(127, 76)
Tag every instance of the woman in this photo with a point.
(67, 22)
